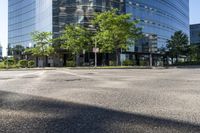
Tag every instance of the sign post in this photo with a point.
(95, 50)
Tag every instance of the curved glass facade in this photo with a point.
(21, 21)
(43, 15)
(26, 16)
(160, 18)
(77, 11)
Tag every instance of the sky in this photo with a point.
(194, 11)
(194, 18)
(3, 25)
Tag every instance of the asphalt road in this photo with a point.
(100, 101)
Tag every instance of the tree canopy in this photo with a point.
(18, 50)
(42, 44)
(75, 38)
(177, 44)
(115, 31)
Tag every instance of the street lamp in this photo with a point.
(95, 52)
(7, 58)
(95, 49)
(150, 49)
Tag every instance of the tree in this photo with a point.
(115, 31)
(18, 51)
(193, 51)
(75, 39)
(43, 45)
(177, 44)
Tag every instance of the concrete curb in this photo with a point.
(28, 69)
(98, 68)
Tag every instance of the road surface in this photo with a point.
(100, 101)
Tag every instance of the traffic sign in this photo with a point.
(95, 50)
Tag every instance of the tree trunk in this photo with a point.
(176, 59)
(117, 57)
(77, 59)
(44, 60)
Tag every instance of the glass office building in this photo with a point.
(21, 21)
(78, 11)
(195, 34)
(159, 19)
(26, 16)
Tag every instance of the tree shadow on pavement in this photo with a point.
(21, 113)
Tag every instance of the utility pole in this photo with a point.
(150, 39)
(122, 11)
(7, 59)
(121, 63)
(150, 53)
(95, 52)
(150, 59)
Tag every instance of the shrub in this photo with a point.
(23, 63)
(14, 66)
(143, 63)
(112, 63)
(31, 64)
(70, 64)
(9, 61)
(187, 63)
(2, 65)
(128, 63)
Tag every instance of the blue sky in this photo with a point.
(3, 25)
(194, 11)
(194, 18)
